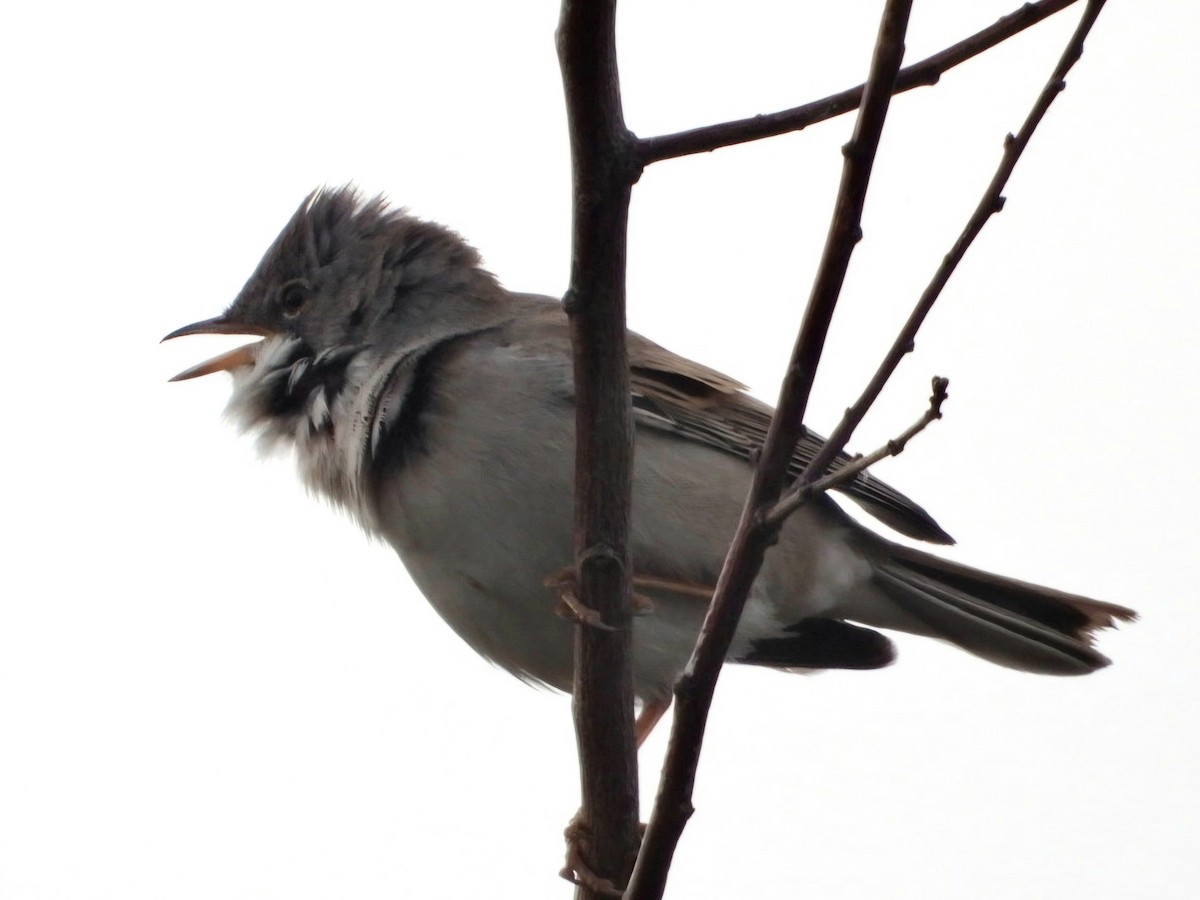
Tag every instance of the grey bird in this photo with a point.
(436, 408)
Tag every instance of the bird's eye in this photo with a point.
(292, 298)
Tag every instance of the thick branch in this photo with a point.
(922, 74)
(693, 694)
(990, 204)
(604, 836)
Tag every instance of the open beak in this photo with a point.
(228, 361)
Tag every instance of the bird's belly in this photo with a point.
(481, 548)
(494, 583)
(514, 626)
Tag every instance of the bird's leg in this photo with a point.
(673, 586)
(651, 712)
(569, 605)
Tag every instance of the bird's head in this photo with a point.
(348, 279)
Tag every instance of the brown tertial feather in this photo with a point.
(675, 394)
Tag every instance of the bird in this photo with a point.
(436, 407)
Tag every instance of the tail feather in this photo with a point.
(1009, 622)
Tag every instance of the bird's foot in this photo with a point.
(569, 605)
(576, 870)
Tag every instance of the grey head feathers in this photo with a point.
(344, 265)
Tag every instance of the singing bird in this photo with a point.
(437, 408)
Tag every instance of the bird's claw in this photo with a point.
(576, 870)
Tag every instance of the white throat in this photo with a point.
(287, 405)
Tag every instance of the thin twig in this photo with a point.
(990, 204)
(693, 693)
(802, 493)
(603, 171)
(921, 74)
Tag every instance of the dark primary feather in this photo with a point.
(682, 396)
(1015, 623)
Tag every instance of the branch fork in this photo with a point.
(607, 161)
(801, 492)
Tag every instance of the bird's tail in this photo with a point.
(1009, 622)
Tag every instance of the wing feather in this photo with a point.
(675, 394)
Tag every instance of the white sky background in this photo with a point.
(212, 686)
